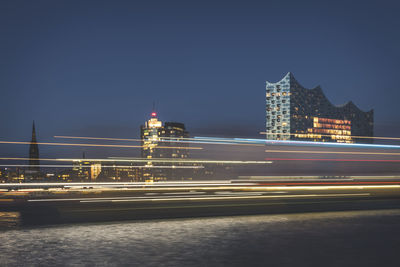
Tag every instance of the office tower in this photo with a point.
(163, 142)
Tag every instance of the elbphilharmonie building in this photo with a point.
(296, 113)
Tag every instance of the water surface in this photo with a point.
(351, 238)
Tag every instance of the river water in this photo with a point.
(351, 238)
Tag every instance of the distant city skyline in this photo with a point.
(86, 69)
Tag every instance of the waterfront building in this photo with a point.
(85, 170)
(81, 168)
(95, 170)
(112, 171)
(296, 113)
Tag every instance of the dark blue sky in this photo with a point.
(94, 68)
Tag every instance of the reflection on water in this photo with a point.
(365, 238)
(9, 220)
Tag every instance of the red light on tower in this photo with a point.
(153, 114)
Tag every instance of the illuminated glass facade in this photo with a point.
(149, 133)
(170, 134)
(160, 141)
(296, 113)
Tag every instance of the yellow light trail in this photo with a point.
(101, 138)
(239, 197)
(160, 187)
(93, 145)
(151, 160)
(44, 159)
(139, 185)
(197, 161)
(178, 140)
(333, 152)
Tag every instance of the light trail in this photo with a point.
(42, 159)
(335, 187)
(243, 197)
(240, 194)
(343, 160)
(106, 198)
(164, 139)
(187, 186)
(302, 143)
(302, 177)
(333, 152)
(255, 142)
(333, 183)
(193, 161)
(103, 166)
(184, 198)
(227, 140)
(139, 184)
(101, 138)
(329, 144)
(93, 145)
(352, 136)
(185, 193)
(254, 178)
(116, 159)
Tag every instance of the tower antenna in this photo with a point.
(154, 113)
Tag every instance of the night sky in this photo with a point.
(94, 68)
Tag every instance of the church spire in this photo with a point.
(33, 133)
(34, 152)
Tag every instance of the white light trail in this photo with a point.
(301, 143)
(332, 152)
(352, 136)
(180, 198)
(93, 145)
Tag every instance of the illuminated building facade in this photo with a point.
(150, 135)
(82, 169)
(85, 170)
(170, 134)
(296, 113)
(95, 170)
(160, 141)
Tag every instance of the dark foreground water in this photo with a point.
(361, 238)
